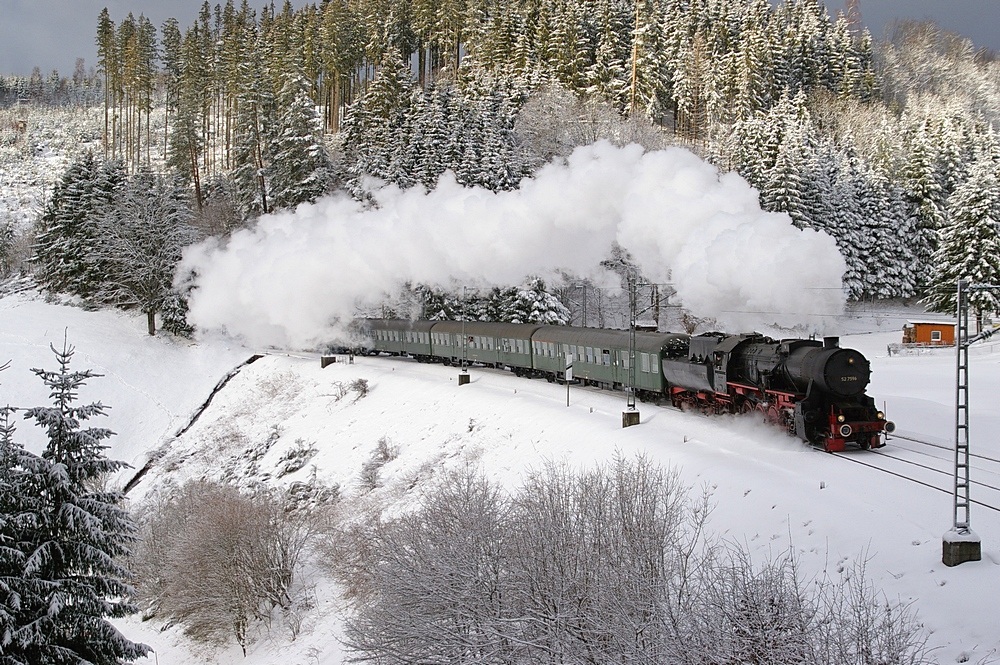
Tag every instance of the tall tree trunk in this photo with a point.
(195, 178)
(151, 321)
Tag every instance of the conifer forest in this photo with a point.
(887, 144)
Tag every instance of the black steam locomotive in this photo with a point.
(814, 390)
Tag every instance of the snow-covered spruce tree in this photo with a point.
(19, 504)
(144, 235)
(786, 183)
(889, 234)
(300, 170)
(529, 303)
(608, 76)
(923, 188)
(187, 141)
(249, 143)
(847, 227)
(374, 120)
(67, 236)
(79, 534)
(173, 315)
(970, 244)
(438, 305)
(6, 248)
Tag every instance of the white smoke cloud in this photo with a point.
(296, 276)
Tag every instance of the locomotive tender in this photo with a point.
(814, 390)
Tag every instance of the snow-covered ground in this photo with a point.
(772, 493)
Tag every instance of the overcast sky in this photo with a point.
(52, 34)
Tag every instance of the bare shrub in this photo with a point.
(384, 453)
(295, 457)
(745, 613)
(284, 384)
(349, 550)
(359, 386)
(219, 561)
(857, 624)
(341, 390)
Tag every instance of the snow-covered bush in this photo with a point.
(220, 561)
(602, 566)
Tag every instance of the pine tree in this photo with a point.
(970, 243)
(300, 169)
(754, 90)
(888, 239)
(174, 315)
(171, 71)
(341, 56)
(848, 225)
(924, 194)
(648, 88)
(250, 141)
(533, 303)
(788, 185)
(438, 305)
(19, 505)
(187, 138)
(608, 76)
(434, 136)
(60, 245)
(72, 573)
(374, 122)
(68, 239)
(108, 63)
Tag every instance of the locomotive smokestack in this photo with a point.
(831, 342)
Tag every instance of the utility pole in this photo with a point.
(960, 543)
(463, 377)
(631, 416)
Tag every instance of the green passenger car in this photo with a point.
(602, 357)
(399, 337)
(492, 344)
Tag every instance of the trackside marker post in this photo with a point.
(569, 374)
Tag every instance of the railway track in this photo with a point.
(933, 465)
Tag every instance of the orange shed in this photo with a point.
(929, 333)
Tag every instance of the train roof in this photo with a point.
(419, 325)
(490, 328)
(599, 337)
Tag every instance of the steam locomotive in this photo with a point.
(813, 389)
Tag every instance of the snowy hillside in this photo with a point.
(772, 494)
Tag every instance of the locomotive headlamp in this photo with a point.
(841, 418)
(845, 431)
(850, 361)
(880, 415)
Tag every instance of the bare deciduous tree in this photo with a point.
(435, 592)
